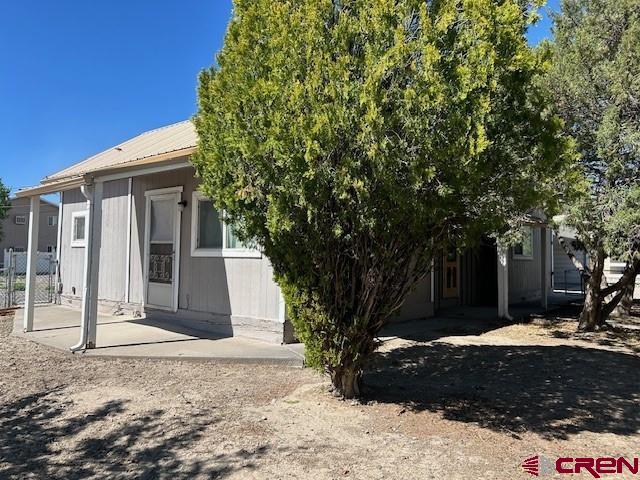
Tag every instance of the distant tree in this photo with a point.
(595, 83)
(5, 204)
(353, 140)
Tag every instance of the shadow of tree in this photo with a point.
(554, 391)
(35, 434)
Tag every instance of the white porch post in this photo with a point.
(503, 283)
(93, 234)
(32, 261)
(544, 270)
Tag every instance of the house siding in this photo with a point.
(71, 258)
(113, 258)
(231, 295)
(525, 274)
(418, 304)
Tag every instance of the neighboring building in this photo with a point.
(566, 276)
(137, 233)
(15, 228)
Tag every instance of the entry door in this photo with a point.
(162, 249)
(451, 274)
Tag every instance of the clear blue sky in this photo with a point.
(77, 77)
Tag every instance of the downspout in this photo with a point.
(87, 191)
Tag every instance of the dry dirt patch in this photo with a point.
(456, 407)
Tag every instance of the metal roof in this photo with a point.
(161, 141)
(155, 146)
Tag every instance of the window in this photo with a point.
(51, 249)
(21, 220)
(52, 220)
(524, 249)
(78, 229)
(18, 249)
(211, 236)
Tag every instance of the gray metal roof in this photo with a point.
(161, 141)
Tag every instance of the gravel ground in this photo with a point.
(444, 406)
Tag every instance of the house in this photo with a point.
(137, 236)
(15, 229)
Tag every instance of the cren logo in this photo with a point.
(532, 466)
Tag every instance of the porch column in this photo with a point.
(93, 236)
(544, 270)
(32, 262)
(503, 283)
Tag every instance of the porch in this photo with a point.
(129, 337)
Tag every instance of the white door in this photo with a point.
(162, 252)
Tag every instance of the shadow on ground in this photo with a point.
(554, 391)
(37, 437)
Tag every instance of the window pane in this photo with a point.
(232, 240)
(162, 216)
(78, 228)
(209, 226)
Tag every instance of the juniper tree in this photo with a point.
(354, 139)
(595, 85)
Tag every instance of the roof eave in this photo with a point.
(54, 185)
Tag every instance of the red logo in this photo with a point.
(532, 466)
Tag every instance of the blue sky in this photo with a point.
(77, 77)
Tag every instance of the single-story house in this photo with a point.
(136, 235)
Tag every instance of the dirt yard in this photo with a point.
(468, 402)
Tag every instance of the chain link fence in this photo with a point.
(13, 279)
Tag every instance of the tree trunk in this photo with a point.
(347, 381)
(626, 302)
(591, 317)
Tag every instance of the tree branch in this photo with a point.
(629, 274)
(577, 263)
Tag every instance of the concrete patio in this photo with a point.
(129, 337)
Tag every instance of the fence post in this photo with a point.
(10, 279)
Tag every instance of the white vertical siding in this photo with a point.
(525, 275)
(72, 258)
(113, 261)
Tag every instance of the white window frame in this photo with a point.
(52, 220)
(523, 256)
(20, 220)
(196, 198)
(75, 243)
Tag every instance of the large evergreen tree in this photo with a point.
(595, 82)
(354, 139)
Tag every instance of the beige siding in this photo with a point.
(71, 258)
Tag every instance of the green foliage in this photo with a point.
(595, 82)
(353, 139)
(5, 204)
